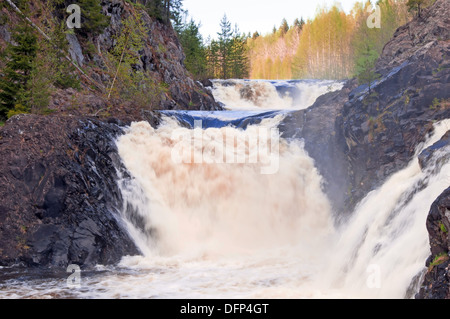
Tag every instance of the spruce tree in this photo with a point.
(365, 67)
(238, 56)
(192, 43)
(415, 5)
(225, 42)
(93, 20)
(18, 68)
(284, 28)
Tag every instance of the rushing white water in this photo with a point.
(227, 231)
(212, 227)
(385, 244)
(271, 95)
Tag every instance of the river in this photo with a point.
(222, 207)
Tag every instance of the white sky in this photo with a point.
(254, 15)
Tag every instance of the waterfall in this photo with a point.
(222, 207)
(271, 95)
(383, 247)
(227, 230)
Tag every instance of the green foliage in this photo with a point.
(92, 19)
(18, 109)
(284, 28)
(299, 23)
(165, 10)
(63, 71)
(443, 228)
(3, 18)
(33, 69)
(435, 104)
(238, 57)
(416, 5)
(227, 57)
(18, 67)
(365, 67)
(192, 43)
(225, 43)
(129, 82)
(438, 260)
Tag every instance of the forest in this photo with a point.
(35, 63)
(333, 45)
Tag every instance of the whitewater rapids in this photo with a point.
(211, 227)
(259, 95)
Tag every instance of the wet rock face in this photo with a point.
(359, 138)
(161, 57)
(320, 129)
(426, 156)
(436, 284)
(60, 201)
(383, 128)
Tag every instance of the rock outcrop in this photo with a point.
(359, 138)
(436, 284)
(60, 199)
(383, 129)
(161, 60)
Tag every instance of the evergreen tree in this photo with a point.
(212, 58)
(238, 56)
(299, 23)
(18, 68)
(63, 70)
(284, 28)
(192, 43)
(365, 67)
(174, 10)
(93, 20)
(225, 43)
(165, 10)
(416, 5)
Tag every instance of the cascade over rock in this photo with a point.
(62, 201)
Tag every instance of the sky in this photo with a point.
(253, 15)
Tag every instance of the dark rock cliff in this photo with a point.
(60, 201)
(358, 139)
(161, 59)
(436, 284)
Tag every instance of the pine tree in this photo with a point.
(63, 71)
(192, 43)
(18, 68)
(93, 20)
(365, 67)
(165, 10)
(416, 5)
(225, 42)
(238, 56)
(284, 28)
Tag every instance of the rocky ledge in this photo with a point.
(436, 284)
(60, 201)
(360, 138)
